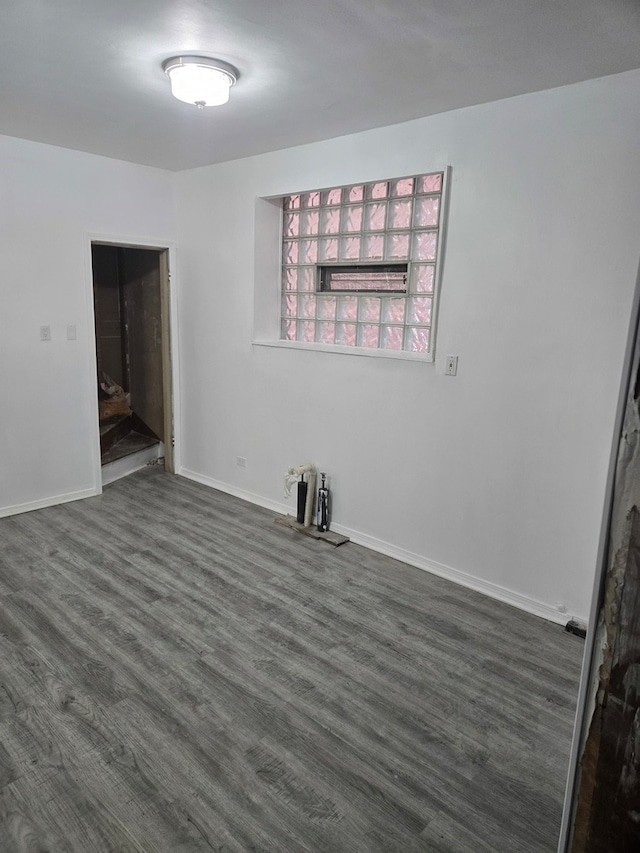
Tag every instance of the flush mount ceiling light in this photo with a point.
(200, 80)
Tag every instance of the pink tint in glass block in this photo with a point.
(349, 248)
(347, 307)
(352, 218)
(307, 306)
(426, 212)
(402, 187)
(424, 245)
(309, 221)
(327, 307)
(391, 337)
(290, 278)
(417, 340)
(288, 332)
(326, 333)
(368, 335)
(419, 310)
(429, 183)
(308, 251)
(355, 193)
(374, 216)
(290, 252)
(292, 202)
(397, 246)
(373, 247)
(332, 196)
(393, 310)
(291, 224)
(307, 279)
(289, 305)
(422, 276)
(369, 309)
(328, 249)
(307, 331)
(346, 334)
(378, 190)
(311, 199)
(330, 221)
(400, 214)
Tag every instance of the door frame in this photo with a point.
(170, 363)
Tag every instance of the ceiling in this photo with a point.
(86, 74)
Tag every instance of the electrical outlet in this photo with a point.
(45, 333)
(451, 365)
(71, 332)
(241, 462)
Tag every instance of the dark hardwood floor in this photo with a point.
(179, 673)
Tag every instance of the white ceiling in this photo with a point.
(85, 74)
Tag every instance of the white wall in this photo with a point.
(51, 199)
(498, 473)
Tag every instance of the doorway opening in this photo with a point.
(131, 301)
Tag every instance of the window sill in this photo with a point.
(341, 350)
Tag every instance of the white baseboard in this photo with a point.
(492, 590)
(129, 464)
(45, 502)
(258, 500)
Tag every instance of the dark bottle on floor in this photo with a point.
(302, 499)
(323, 506)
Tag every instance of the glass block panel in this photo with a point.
(291, 224)
(292, 202)
(378, 190)
(349, 248)
(397, 246)
(288, 332)
(352, 218)
(424, 245)
(307, 306)
(290, 252)
(307, 279)
(355, 193)
(419, 310)
(422, 277)
(393, 310)
(426, 212)
(402, 187)
(416, 339)
(347, 308)
(373, 247)
(311, 199)
(326, 333)
(308, 251)
(391, 337)
(429, 183)
(369, 309)
(309, 221)
(400, 214)
(374, 216)
(332, 196)
(330, 221)
(290, 278)
(368, 335)
(306, 331)
(328, 249)
(327, 307)
(289, 305)
(346, 334)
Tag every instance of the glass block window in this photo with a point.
(359, 264)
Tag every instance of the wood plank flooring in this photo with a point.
(178, 673)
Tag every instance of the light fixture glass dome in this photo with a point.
(199, 80)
